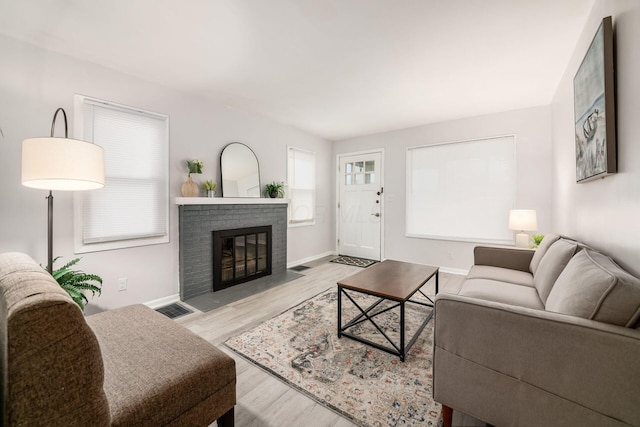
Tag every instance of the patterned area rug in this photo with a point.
(357, 262)
(365, 385)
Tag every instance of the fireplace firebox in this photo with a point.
(240, 255)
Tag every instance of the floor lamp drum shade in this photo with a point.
(62, 164)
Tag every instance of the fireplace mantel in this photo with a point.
(181, 201)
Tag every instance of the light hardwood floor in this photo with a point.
(262, 399)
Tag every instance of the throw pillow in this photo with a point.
(593, 286)
(551, 265)
(546, 243)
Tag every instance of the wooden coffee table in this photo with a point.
(389, 280)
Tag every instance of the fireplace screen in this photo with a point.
(240, 255)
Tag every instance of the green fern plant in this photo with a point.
(76, 282)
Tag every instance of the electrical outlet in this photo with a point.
(122, 284)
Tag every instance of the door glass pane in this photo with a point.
(370, 178)
(369, 166)
(348, 179)
(358, 167)
(348, 168)
(359, 178)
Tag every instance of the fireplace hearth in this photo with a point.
(240, 255)
(200, 217)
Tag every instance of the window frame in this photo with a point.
(79, 201)
(290, 187)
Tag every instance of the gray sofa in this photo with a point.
(125, 367)
(550, 337)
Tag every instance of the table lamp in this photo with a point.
(61, 164)
(522, 220)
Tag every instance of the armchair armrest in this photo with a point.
(519, 362)
(512, 258)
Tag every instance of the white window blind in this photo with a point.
(302, 186)
(462, 191)
(132, 208)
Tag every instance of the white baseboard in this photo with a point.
(309, 259)
(161, 302)
(459, 271)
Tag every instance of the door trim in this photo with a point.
(337, 199)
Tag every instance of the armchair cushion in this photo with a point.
(51, 363)
(157, 363)
(551, 265)
(594, 287)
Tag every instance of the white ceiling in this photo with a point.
(333, 68)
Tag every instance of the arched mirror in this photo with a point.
(240, 171)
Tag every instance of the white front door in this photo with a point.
(360, 205)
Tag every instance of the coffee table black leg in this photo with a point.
(339, 311)
(402, 349)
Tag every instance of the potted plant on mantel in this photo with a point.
(209, 187)
(190, 188)
(275, 190)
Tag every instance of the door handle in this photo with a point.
(376, 214)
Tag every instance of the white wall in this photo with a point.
(532, 128)
(34, 82)
(604, 213)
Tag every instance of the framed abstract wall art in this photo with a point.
(594, 108)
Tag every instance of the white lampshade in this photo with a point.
(523, 220)
(62, 164)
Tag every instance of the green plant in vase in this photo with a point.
(209, 187)
(76, 282)
(194, 166)
(275, 189)
(536, 239)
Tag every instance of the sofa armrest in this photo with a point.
(512, 258)
(562, 365)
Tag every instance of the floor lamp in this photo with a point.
(60, 164)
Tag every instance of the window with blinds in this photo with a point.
(462, 191)
(133, 207)
(301, 174)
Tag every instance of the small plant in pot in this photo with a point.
(536, 239)
(275, 189)
(76, 282)
(209, 187)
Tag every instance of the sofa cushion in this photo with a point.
(158, 363)
(547, 241)
(501, 274)
(506, 293)
(594, 287)
(551, 265)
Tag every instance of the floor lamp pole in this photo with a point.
(50, 234)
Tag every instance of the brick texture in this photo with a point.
(197, 222)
